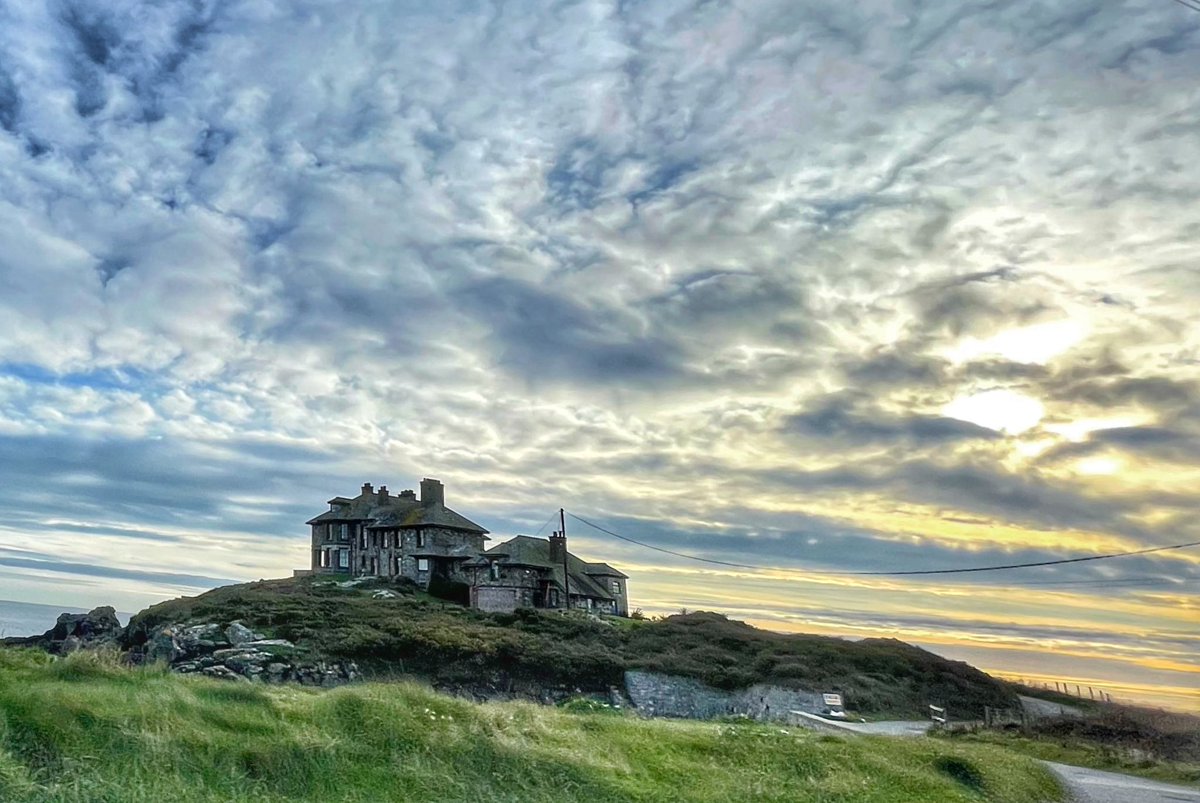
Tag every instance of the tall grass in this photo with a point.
(87, 729)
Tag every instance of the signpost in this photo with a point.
(833, 705)
(937, 714)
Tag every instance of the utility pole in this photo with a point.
(562, 523)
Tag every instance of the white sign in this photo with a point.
(832, 700)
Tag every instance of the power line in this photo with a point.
(539, 530)
(972, 569)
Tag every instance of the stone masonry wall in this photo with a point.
(659, 695)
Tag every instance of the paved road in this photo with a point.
(1094, 786)
(888, 728)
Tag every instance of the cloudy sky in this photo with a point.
(814, 286)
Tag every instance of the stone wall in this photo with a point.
(659, 695)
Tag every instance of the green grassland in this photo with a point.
(1116, 739)
(87, 728)
(449, 645)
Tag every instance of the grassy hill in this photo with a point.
(456, 647)
(85, 728)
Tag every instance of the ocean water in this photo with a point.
(29, 619)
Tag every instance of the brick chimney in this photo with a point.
(432, 492)
(408, 495)
(367, 490)
(383, 493)
(558, 548)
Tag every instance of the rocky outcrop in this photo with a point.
(73, 631)
(240, 654)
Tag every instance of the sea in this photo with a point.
(31, 619)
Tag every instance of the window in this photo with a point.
(616, 586)
(422, 564)
(420, 539)
(343, 558)
(344, 533)
(494, 570)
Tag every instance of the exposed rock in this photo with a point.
(201, 638)
(98, 624)
(73, 631)
(238, 633)
(244, 662)
(383, 593)
(163, 646)
(277, 644)
(221, 673)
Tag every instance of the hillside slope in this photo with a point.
(462, 649)
(85, 728)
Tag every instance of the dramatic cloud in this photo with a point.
(810, 286)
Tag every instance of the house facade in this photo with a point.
(380, 534)
(527, 572)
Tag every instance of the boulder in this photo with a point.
(238, 633)
(247, 661)
(201, 638)
(221, 673)
(275, 644)
(164, 646)
(96, 625)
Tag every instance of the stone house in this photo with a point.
(527, 572)
(378, 534)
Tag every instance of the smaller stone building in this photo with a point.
(527, 572)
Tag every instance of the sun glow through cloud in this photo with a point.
(1002, 410)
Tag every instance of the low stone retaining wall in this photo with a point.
(658, 695)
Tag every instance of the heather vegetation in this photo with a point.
(416, 634)
(89, 728)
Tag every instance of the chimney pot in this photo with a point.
(383, 492)
(366, 489)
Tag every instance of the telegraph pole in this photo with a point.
(562, 523)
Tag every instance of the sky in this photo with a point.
(814, 286)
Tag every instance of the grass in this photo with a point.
(1156, 745)
(453, 646)
(85, 728)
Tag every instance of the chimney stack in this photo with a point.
(409, 495)
(383, 493)
(432, 492)
(558, 548)
(367, 490)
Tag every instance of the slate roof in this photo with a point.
(524, 550)
(395, 511)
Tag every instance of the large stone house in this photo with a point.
(378, 534)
